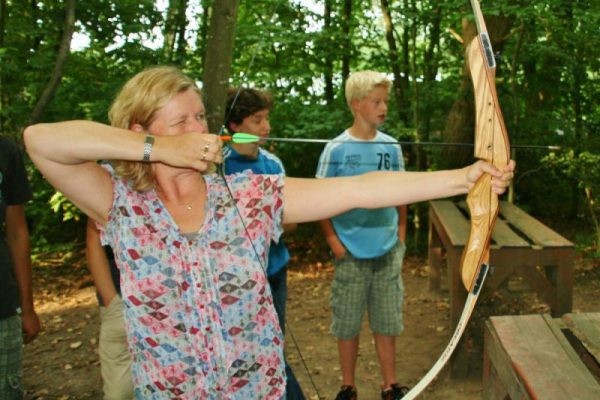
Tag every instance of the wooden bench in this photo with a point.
(520, 245)
(537, 357)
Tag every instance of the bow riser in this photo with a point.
(483, 208)
(491, 145)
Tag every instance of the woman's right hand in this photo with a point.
(189, 150)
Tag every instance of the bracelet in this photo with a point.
(148, 143)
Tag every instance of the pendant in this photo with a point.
(189, 207)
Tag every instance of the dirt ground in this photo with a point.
(62, 363)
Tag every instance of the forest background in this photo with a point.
(67, 59)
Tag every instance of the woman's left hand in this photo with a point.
(500, 178)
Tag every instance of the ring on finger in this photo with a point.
(206, 147)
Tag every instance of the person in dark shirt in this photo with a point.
(19, 322)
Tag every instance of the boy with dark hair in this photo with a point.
(248, 111)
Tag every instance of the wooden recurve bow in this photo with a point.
(491, 145)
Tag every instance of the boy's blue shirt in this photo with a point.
(265, 163)
(365, 233)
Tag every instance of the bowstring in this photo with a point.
(221, 172)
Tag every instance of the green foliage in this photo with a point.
(60, 204)
(547, 80)
(50, 227)
(294, 118)
(584, 170)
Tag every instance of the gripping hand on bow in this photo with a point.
(500, 178)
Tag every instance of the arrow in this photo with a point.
(243, 138)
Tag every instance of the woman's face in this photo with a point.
(183, 114)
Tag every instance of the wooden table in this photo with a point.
(538, 357)
(520, 245)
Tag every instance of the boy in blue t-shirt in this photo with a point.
(248, 111)
(367, 245)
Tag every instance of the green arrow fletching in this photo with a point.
(241, 137)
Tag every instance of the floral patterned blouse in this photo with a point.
(199, 314)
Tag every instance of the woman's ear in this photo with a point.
(137, 128)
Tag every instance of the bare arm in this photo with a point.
(66, 153)
(17, 237)
(317, 199)
(334, 242)
(98, 264)
(402, 219)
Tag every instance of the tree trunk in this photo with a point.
(347, 41)
(61, 58)
(460, 127)
(203, 31)
(174, 32)
(181, 28)
(217, 63)
(328, 73)
(405, 66)
(431, 68)
(394, 57)
(3, 11)
(430, 61)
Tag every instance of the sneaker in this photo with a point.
(395, 392)
(346, 392)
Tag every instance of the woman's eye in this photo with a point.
(178, 122)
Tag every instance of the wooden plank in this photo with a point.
(454, 224)
(500, 363)
(586, 327)
(434, 255)
(502, 235)
(540, 362)
(493, 389)
(556, 326)
(537, 232)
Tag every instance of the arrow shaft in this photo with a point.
(400, 142)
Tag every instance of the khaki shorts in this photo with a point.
(373, 284)
(115, 361)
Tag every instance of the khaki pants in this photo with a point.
(115, 361)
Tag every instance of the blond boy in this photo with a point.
(367, 245)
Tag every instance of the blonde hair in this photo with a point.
(360, 83)
(137, 103)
